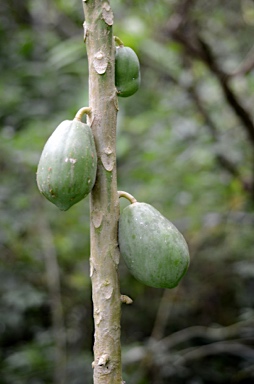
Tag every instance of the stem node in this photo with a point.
(126, 299)
(103, 360)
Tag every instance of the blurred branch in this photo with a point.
(221, 159)
(183, 8)
(230, 96)
(232, 339)
(209, 333)
(191, 90)
(198, 48)
(246, 66)
(193, 93)
(229, 347)
(163, 312)
(53, 281)
(183, 31)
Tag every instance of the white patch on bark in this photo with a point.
(97, 218)
(108, 291)
(92, 269)
(85, 31)
(107, 159)
(97, 316)
(100, 62)
(107, 14)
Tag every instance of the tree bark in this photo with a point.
(104, 202)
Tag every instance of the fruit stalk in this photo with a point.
(81, 112)
(118, 41)
(104, 202)
(127, 196)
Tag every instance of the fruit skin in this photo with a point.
(127, 71)
(67, 168)
(154, 250)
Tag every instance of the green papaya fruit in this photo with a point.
(127, 71)
(68, 163)
(153, 249)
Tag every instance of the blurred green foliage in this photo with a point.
(181, 147)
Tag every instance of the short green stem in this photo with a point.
(118, 41)
(81, 112)
(127, 196)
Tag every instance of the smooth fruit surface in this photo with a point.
(127, 71)
(155, 252)
(67, 167)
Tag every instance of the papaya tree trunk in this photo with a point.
(104, 204)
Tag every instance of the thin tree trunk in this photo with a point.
(104, 257)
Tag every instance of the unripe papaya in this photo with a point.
(127, 71)
(153, 249)
(68, 163)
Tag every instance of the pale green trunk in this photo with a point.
(104, 199)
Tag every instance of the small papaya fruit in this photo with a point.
(127, 71)
(153, 249)
(68, 163)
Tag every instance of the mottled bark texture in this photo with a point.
(104, 258)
